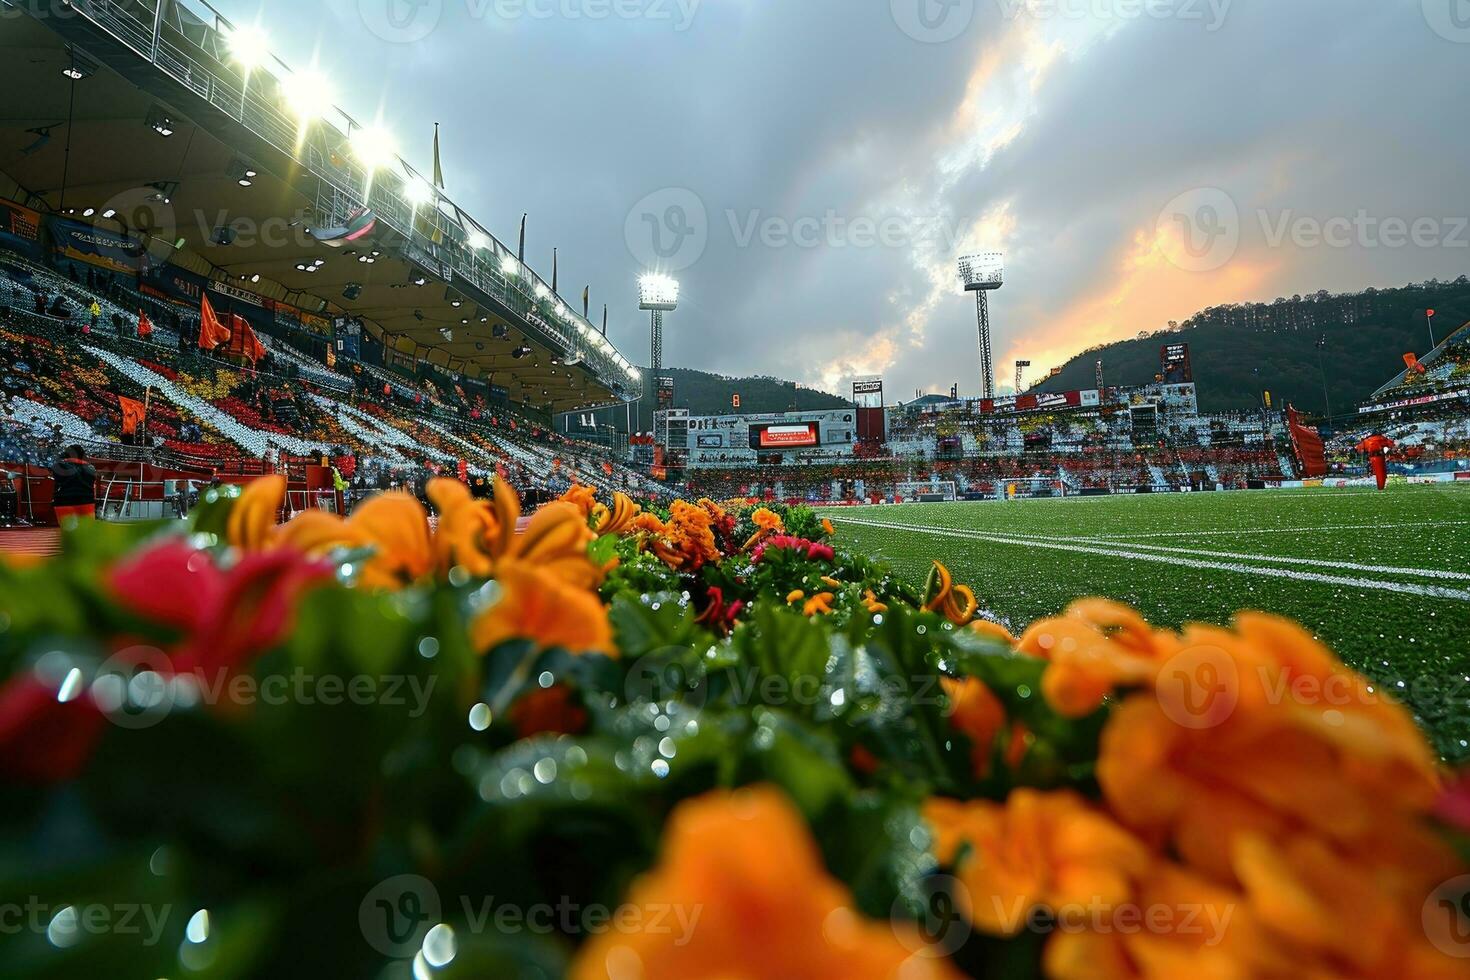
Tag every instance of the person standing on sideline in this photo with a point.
(76, 486)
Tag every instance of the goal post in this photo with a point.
(927, 491)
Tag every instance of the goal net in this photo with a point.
(1029, 488)
(926, 492)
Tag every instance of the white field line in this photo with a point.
(1407, 588)
(1265, 530)
(1280, 560)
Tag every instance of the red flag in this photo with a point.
(212, 333)
(145, 325)
(250, 346)
(132, 414)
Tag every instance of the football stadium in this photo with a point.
(372, 606)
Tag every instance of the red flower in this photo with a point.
(813, 550)
(548, 711)
(226, 617)
(1453, 805)
(718, 616)
(43, 739)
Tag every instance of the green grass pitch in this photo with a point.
(1383, 579)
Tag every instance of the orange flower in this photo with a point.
(253, 517)
(394, 525)
(538, 604)
(870, 600)
(827, 526)
(740, 891)
(556, 541)
(819, 605)
(691, 539)
(1048, 850)
(956, 602)
(583, 498)
(768, 520)
(617, 520)
(480, 537)
(1093, 649)
(979, 715)
(993, 631)
(466, 526)
(767, 523)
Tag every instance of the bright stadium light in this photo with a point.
(375, 149)
(478, 240)
(248, 47)
(308, 94)
(418, 192)
(658, 292)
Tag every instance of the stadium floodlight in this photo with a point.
(374, 148)
(249, 47)
(981, 274)
(658, 292)
(308, 94)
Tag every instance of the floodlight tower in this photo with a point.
(1021, 367)
(660, 295)
(982, 274)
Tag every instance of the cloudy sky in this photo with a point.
(810, 169)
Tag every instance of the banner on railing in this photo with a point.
(81, 242)
(20, 229)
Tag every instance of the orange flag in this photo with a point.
(132, 414)
(250, 345)
(145, 325)
(212, 332)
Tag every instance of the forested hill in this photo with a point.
(1239, 351)
(713, 394)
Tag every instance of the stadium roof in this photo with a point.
(174, 115)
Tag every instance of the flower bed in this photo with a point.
(698, 742)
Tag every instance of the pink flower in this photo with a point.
(813, 550)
